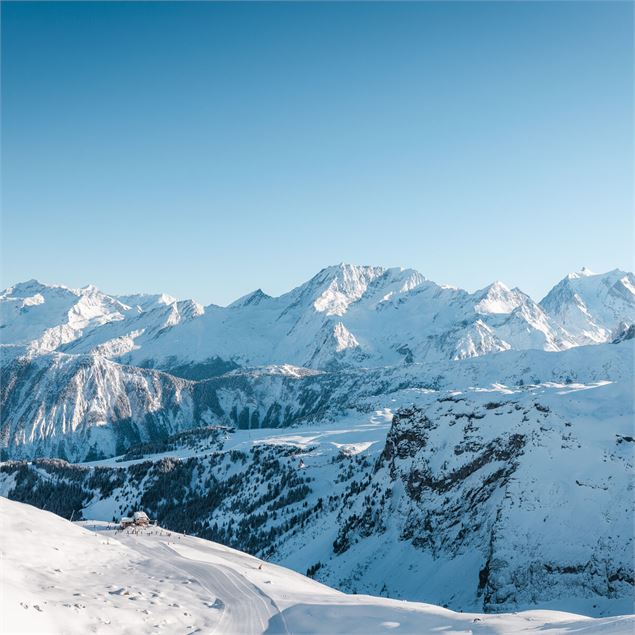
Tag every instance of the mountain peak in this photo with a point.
(89, 289)
(586, 277)
(345, 284)
(347, 269)
(253, 298)
(584, 272)
(498, 298)
(497, 287)
(29, 288)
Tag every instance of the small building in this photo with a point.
(140, 519)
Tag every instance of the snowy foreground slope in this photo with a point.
(61, 578)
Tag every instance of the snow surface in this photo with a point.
(591, 304)
(58, 577)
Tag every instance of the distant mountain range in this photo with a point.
(345, 316)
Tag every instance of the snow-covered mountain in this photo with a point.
(58, 577)
(85, 406)
(503, 488)
(592, 306)
(358, 316)
(386, 433)
(40, 318)
(81, 407)
(345, 316)
(76, 370)
(37, 319)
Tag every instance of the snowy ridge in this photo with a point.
(44, 318)
(592, 305)
(506, 475)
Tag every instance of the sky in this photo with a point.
(208, 149)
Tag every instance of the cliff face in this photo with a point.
(504, 489)
(83, 407)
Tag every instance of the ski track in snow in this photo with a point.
(245, 607)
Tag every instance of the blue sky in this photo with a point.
(207, 149)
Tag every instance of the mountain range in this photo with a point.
(383, 433)
(79, 367)
(344, 316)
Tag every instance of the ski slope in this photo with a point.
(59, 577)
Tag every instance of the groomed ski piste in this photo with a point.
(90, 577)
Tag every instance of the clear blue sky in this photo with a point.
(208, 149)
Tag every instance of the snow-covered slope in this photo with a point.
(41, 318)
(144, 321)
(85, 406)
(61, 578)
(528, 494)
(36, 319)
(359, 316)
